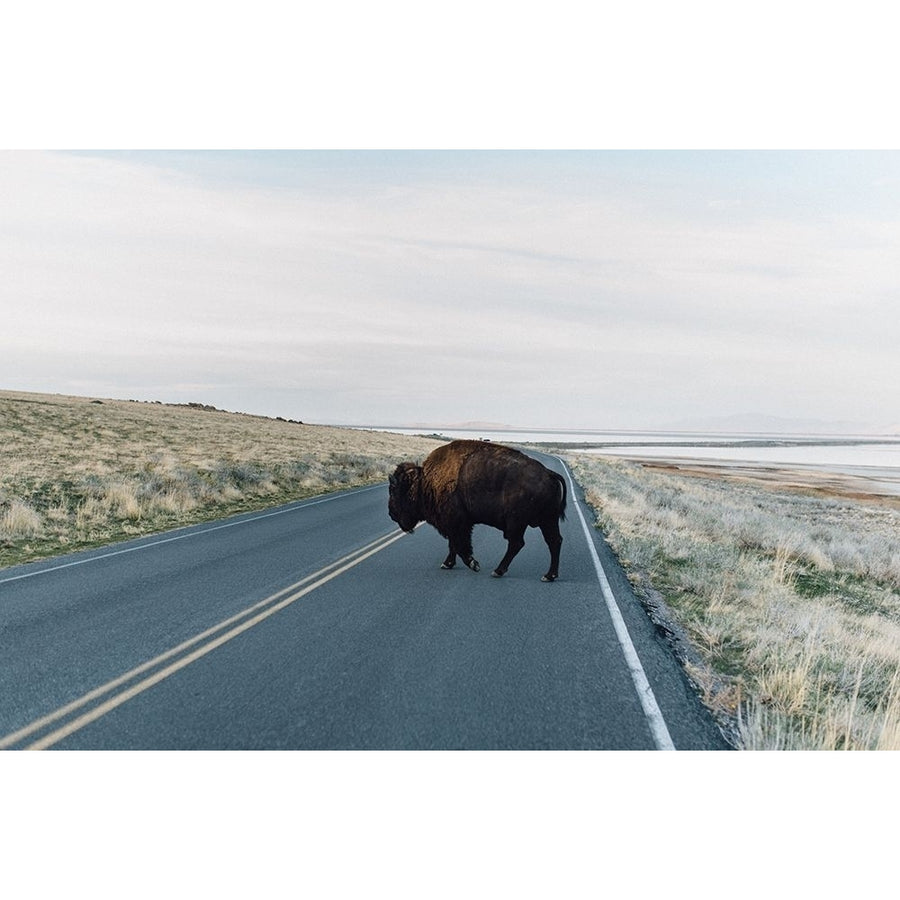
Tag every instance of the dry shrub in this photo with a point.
(121, 501)
(19, 521)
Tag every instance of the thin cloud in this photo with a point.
(591, 290)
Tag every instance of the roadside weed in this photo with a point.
(791, 601)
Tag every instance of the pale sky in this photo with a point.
(552, 289)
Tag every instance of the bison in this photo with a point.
(466, 483)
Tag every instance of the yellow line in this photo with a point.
(113, 702)
(345, 562)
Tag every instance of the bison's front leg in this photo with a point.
(463, 544)
(465, 552)
(450, 561)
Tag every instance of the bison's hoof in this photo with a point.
(548, 577)
(473, 565)
(497, 574)
(445, 565)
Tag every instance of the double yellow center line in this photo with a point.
(54, 727)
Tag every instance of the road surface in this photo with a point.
(319, 625)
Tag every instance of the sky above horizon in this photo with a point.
(567, 289)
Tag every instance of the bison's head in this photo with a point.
(405, 496)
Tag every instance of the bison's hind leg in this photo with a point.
(553, 538)
(450, 561)
(515, 541)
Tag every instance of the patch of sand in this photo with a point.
(869, 485)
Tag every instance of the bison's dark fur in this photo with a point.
(466, 483)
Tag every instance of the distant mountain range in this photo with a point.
(741, 423)
(463, 426)
(762, 424)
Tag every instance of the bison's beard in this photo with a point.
(406, 523)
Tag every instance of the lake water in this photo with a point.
(862, 455)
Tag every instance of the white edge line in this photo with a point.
(194, 533)
(654, 715)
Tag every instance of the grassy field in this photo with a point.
(790, 599)
(79, 472)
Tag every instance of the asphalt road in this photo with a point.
(319, 625)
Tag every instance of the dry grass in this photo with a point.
(792, 601)
(78, 472)
(19, 520)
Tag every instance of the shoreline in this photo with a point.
(874, 485)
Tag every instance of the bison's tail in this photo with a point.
(562, 505)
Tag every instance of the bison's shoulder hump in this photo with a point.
(444, 464)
